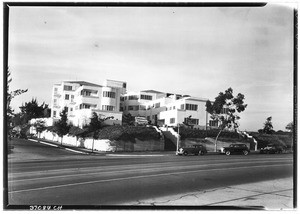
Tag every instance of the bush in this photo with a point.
(128, 133)
(281, 139)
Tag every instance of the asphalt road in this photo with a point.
(78, 179)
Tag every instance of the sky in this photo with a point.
(199, 51)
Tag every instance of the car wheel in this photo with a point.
(245, 152)
(201, 153)
(227, 152)
(185, 153)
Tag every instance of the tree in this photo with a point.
(268, 127)
(95, 125)
(62, 127)
(39, 127)
(128, 119)
(9, 111)
(225, 109)
(290, 127)
(33, 110)
(189, 122)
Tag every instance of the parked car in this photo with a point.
(238, 148)
(194, 149)
(271, 149)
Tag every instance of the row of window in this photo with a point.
(109, 94)
(135, 97)
(190, 121)
(87, 93)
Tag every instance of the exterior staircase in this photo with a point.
(170, 137)
(245, 134)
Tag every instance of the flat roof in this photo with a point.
(84, 83)
(153, 91)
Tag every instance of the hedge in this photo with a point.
(196, 133)
(128, 133)
(263, 140)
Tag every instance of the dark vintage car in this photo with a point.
(238, 148)
(194, 149)
(271, 149)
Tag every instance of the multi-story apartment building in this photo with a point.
(167, 109)
(81, 98)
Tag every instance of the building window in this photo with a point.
(132, 97)
(85, 93)
(66, 109)
(72, 98)
(133, 108)
(55, 89)
(67, 97)
(173, 107)
(191, 121)
(67, 87)
(172, 120)
(213, 123)
(182, 107)
(71, 109)
(191, 107)
(84, 106)
(121, 108)
(122, 98)
(54, 113)
(109, 94)
(146, 97)
(55, 102)
(108, 108)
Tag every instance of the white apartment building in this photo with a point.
(167, 109)
(81, 99)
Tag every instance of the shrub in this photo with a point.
(195, 133)
(281, 139)
(128, 133)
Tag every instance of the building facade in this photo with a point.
(80, 99)
(167, 109)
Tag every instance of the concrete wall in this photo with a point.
(105, 144)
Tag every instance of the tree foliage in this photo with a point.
(96, 124)
(268, 126)
(233, 105)
(10, 96)
(290, 127)
(225, 109)
(31, 110)
(128, 119)
(39, 126)
(62, 127)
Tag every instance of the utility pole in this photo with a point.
(177, 138)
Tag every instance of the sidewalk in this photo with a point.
(267, 195)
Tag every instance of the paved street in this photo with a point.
(78, 179)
